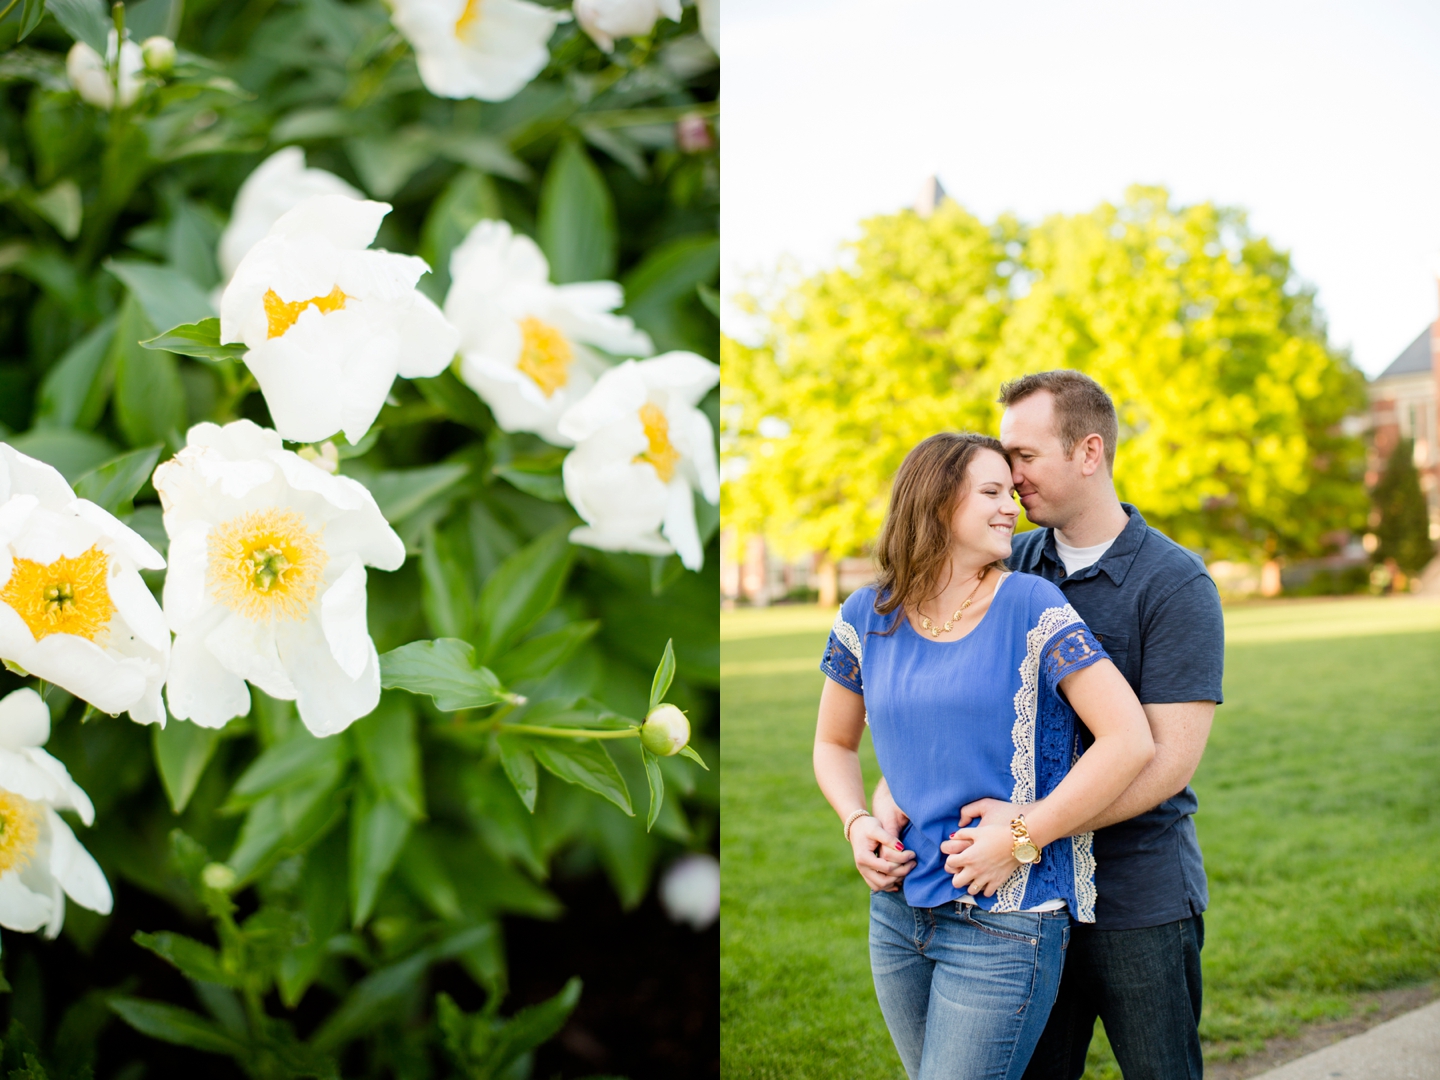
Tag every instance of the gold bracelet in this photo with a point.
(856, 816)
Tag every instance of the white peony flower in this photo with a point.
(40, 859)
(90, 76)
(487, 49)
(606, 20)
(523, 340)
(280, 183)
(328, 323)
(640, 447)
(666, 731)
(710, 23)
(690, 890)
(159, 55)
(73, 607)
(267, 579)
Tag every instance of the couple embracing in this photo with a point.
(1037, 706)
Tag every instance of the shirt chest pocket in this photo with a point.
(1116, 644)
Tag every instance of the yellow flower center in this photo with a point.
(265, 565)
(283, 313)
(545, 355)
(67, 596)
(467, 18)
(662, 453)
(19, 830)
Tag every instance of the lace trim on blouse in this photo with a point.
(1011, 895)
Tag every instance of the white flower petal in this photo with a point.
(119, 537)
(327, 699)
(248, 649)
(683, 374)
(90, 673)
(136, 605)
(428, 341)
(24, 720)
(639, 543)
(491, 56)
(345, 222)
(76, 869)
(342, 615)
(680, 528)
(200, 689)
(21, 909)
(184, 592)
(22, 776)
(67, 795)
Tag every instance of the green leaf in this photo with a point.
(201, 339)
(31, 13)
(389, 753)
(689, 752)
(541, 481)
(191, 239)
(583, 762)
(74, 391)
(425, 874)
(402, 492)
(385, 162)
(182, 750)
(536, 658)
(379, 827)
(146, 18)
(301, 759)
(445, 590)
(113, 485)
(661, 294)
(74, 453)
(485, 1047)
(657, 786)
(83, 20)
(576, 222)
(321, 894)
(198, 961)
(468, 199)
(445, 669)
(168, 296)
(61, 206)
(170, 1024)
(288, 820)
(375, 995)
(626, 852)
(523, 588)
(519, 765)
(149, 397)
(664, 675)
(456, 400)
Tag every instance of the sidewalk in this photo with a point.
(1406, 1048)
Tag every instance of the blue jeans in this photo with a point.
(965, 992)
(1145, 985)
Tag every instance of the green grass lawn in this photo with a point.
(1317, 819)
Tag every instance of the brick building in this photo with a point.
(1404, 399)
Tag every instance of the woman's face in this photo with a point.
(985, 519)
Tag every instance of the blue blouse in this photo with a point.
(981, 717)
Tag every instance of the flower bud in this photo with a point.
(159, 54)
(327, 457)
(692, 134)
(666, 731)
(218, 876)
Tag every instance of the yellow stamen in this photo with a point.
(662, 453)
(545, 355)
(67, 596)
(265, 565)
(283, 313)
(467, 18)
(19, 830)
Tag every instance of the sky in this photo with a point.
(1320, 118)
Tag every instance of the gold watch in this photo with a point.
(1025, 851)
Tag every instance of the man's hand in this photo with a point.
(879, 855)
(984, 860)
(889, 814)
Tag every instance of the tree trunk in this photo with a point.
(829, 574)
(1270, 578)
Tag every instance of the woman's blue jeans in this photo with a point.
(965, 992)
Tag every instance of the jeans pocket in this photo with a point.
(996, 927)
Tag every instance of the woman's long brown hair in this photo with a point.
(914, 548)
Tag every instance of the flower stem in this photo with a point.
(571, 733)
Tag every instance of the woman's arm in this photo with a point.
(837, 769)
(1123, 746)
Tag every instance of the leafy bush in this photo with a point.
(335, 873)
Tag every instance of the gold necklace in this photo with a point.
(936, 631)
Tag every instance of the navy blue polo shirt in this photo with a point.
(1157, 613)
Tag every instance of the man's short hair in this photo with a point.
(1082, 407)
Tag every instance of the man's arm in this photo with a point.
(1179, 730)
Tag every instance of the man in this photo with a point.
(1156, 612)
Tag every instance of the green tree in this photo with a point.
(1404, 529)
(1230, 398)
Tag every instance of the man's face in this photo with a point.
(1048, 481)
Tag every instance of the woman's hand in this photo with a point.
(986, 862)
(879, 856)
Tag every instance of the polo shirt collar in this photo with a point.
(1118, 558)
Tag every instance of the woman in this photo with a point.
(972, 679)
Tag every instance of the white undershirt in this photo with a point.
(1078, 558)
